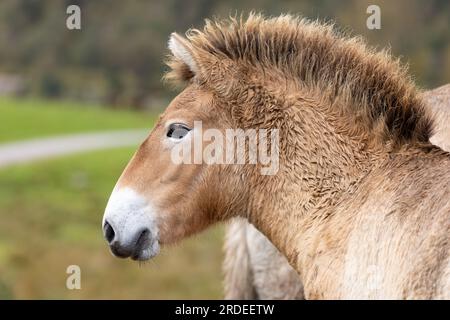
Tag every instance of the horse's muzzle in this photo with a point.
(129, 226)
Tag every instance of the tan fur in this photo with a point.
(267, 280)
(370, 85)
(360, 205)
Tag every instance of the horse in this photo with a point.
(255, 269)
(359, 201)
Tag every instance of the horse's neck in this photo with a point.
(318, 166)
(311, 209)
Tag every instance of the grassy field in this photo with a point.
(51, 214)
(31, 118)
(51, 218)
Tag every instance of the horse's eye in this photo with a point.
(177, 131)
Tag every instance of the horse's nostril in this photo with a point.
(109, 232)
(142, 237)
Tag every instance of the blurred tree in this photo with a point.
(116, 58)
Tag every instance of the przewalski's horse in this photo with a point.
(255, 269)
(360, 204)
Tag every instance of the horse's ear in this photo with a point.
(182, 50)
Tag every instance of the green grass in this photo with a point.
(51, 218)
(31, 118)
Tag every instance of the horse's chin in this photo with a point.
(147, 252)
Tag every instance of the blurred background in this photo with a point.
(60, 88)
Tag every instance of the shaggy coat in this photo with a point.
(360, 205)
(357, 187)
(255, 269)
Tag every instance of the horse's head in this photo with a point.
(175, 185)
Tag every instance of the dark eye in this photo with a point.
(177, 131)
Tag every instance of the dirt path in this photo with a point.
(36, 149)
